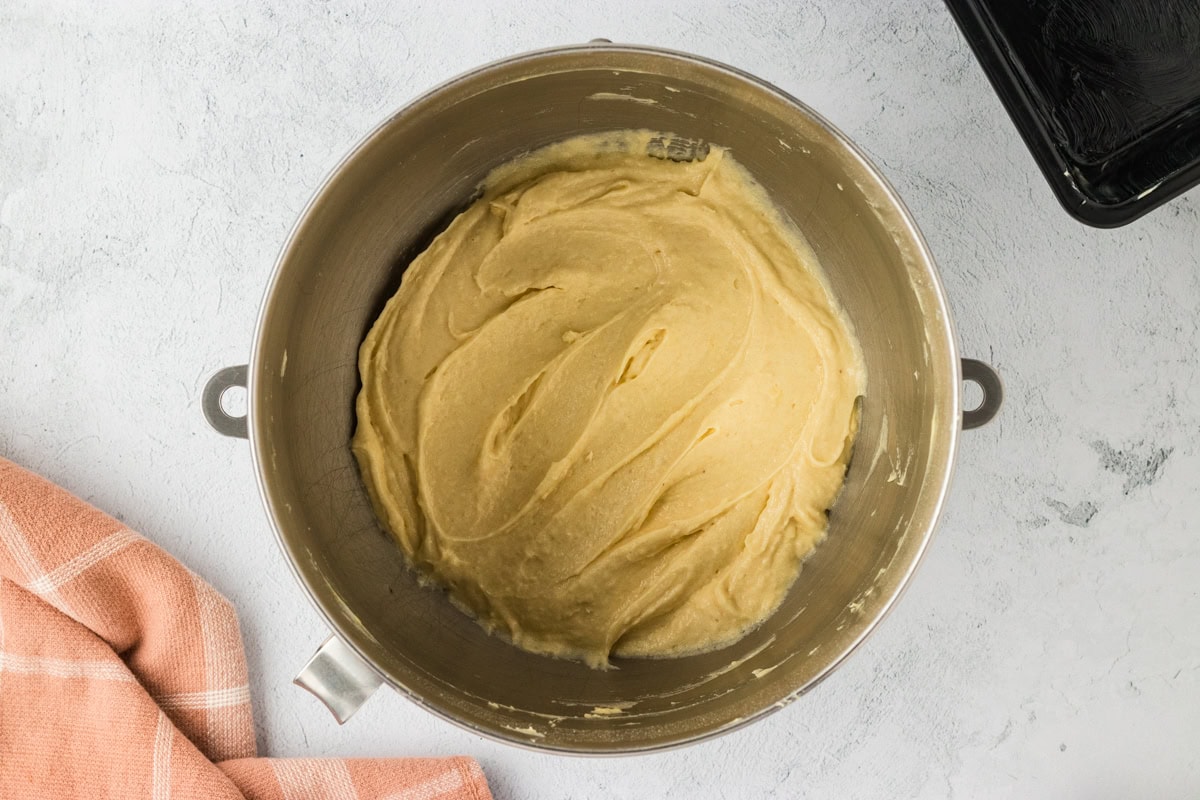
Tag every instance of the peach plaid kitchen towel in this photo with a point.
(122, 675)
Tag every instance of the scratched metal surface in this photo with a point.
(153, 158)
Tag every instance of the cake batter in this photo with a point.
(609, 406)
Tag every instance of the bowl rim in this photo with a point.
(910, 230)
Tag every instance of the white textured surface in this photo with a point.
(153, 157)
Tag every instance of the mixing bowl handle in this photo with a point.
(339, 678)
(986, 379)
(221, 382)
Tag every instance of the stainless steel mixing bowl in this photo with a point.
(345, 257)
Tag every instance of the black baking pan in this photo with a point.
(1105, 93)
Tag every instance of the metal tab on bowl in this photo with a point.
(988, 381)
(221, 382)
(677, 149)
(339, 678)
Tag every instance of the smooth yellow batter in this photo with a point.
(610, 404)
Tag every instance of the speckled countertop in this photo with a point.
(154, 155)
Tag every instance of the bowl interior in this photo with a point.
(397, 191)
